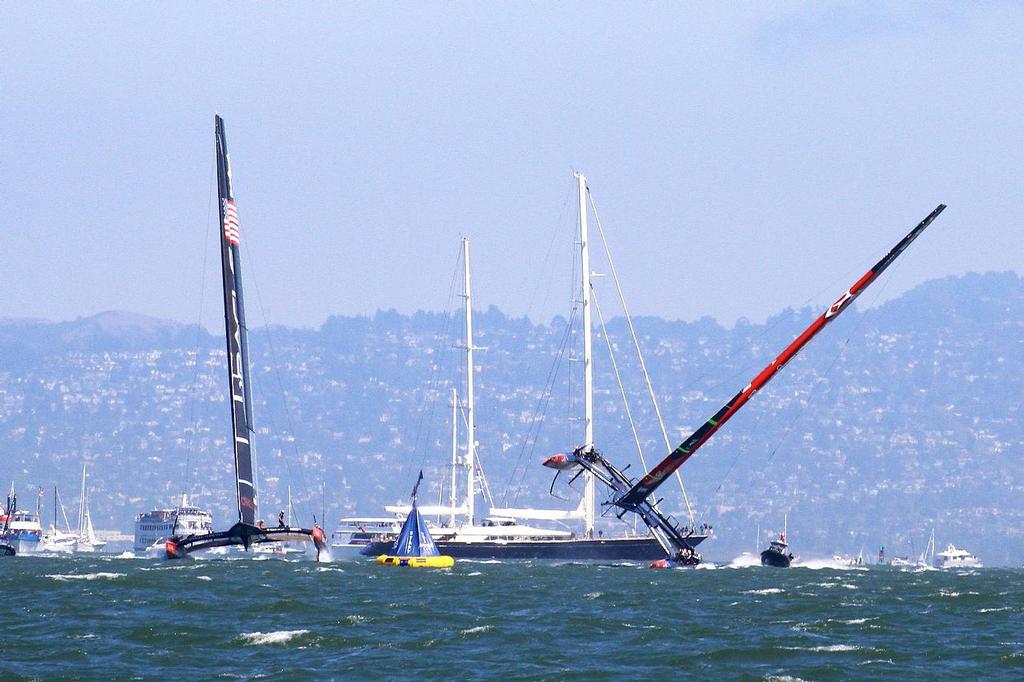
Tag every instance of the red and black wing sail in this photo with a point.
(235, 333)
(649, 483)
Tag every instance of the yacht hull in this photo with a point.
(596, 549)
(777, 559)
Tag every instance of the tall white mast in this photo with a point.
(589, 497)
(81, 508)
(453, 492)
(470, 423)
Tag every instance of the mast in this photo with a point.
(81, 506)
(452, 493)
(470, 417)
(235, 335)
(55, 510)
(589, 494)
(649, 483)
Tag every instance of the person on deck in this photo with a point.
(280, 520)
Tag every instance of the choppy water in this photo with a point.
(113, 618)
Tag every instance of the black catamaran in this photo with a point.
(245, 532)
(632, 496)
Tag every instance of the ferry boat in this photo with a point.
(778, 553)
(956, 558)
(356, 536)
(152, 528)
(22, 531)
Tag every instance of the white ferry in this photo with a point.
(956, 558)
(20, 531)
(23, 532)
(154, 527)
(356, 534)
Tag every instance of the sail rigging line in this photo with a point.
(639, 354)
(438, 362)
(835, 361)
(618, 381)
(275, 362)
(539, 415)
(192, 421)
(545, 286)
(812, 394)
(622, 392)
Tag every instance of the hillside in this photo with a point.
(896, 418)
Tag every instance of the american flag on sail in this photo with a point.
(230, 221)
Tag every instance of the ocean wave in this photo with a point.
(832, 564)
(276, 637)
(767, 590)
(828, 648)
(476, 630)
(85, 576)
(745, 560)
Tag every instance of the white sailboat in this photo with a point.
(501, 534)
(56, 540)
(87, 540)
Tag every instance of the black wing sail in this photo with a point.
(235, 333)
(245, 532)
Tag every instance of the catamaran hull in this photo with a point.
(243, 535)
(6, 550)
(598, 549)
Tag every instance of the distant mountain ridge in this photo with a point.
(897, 418)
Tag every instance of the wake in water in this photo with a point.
(748, 560)
(833, 564)
(745, 560)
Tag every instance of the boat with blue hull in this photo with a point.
(22, 533)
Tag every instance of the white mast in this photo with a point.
(452, 493)
(81, 508)
(588, 373)
(470, 423)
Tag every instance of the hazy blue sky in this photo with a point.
(743, 157)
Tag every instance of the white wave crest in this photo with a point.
(85, 576)
(276, 637)
(767, 590)
(745, 560)
(826, 648)
(477, 629)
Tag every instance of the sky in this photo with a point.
(743, 157)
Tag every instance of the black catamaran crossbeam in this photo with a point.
(246, 532)
(630, 496)
(245, 536)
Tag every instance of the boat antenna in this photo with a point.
(415, 488)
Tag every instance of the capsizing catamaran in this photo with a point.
(245, 532)
(634, 496)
